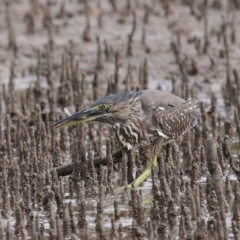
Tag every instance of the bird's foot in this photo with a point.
(143, 176)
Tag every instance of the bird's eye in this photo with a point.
(105, 107)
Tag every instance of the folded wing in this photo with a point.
(173, 121)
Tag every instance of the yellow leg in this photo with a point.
(143, 176)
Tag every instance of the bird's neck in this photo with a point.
(129, 133)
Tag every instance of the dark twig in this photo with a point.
(98, 161)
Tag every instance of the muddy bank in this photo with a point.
(65, 54)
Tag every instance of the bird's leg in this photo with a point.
(144, 175)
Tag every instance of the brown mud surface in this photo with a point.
(65, 54)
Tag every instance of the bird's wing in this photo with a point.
(173, 121)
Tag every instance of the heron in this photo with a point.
(146, 118)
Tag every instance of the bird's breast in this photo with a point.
(121, 137)
(130, 136)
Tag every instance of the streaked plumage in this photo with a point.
(140, 118)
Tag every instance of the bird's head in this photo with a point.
(110, 109)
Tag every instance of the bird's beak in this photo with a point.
(86, 115)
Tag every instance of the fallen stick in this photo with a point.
(98, 161)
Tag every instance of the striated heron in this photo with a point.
(147, 118)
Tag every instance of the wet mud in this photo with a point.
(59, 56)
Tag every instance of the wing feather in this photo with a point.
(174, 121)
